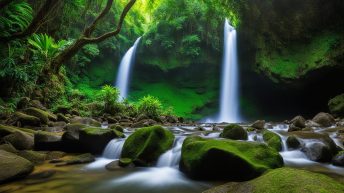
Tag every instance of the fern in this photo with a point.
(44, 45)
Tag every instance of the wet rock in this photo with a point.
(298, 121)
(126, 162)
(317, 151)
(43, 116)
(145, 145)
(259, 124)
(143, 123)
(338, 160)
(13, 166)
(112, 166)
(70, 138)
(212, 159)
(26, 120)
(54, 155)
(310, 124)
(272, 139)
(171, 119)
(336, 105)
(47, 141)
(85, 121)
(23, 103)
(234, 131)
(117, 127)
(33, 156)
(99, 138)
(79, 159)
(20, 140)
(293, 142)
(324, 119)
(8, 148)
(61, 117)
(111, 120)
(292, 128)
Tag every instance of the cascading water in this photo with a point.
(229, 101)
(171, 158)
(123, 75)
(113, 149)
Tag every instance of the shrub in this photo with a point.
(149, 105)
(110, 95)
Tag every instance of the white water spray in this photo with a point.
(123, 75)
(229, 101)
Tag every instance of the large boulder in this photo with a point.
(322, 149)
(336, 105)
(20, 140)
(293, 142)
(272, 139)
(95, 139)
(33, 156)
(13, 166)
(47, 141)
(70, 138)
(298, 121)
(234, 131)
(324, 119)
(284, 180)
(259, 124)
(338, 160)
(227, 159)
(85, 121)
(26, 120)
(145, 145)
(44, 116)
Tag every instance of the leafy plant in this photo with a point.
(110, 95)
(150, 106)
(44, 45)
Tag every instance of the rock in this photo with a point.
(70, 138)
(23, 103)
(324, 119)
(112, 166)
(293, 142)
(62, 109)
(20, 140)
(310, 124)
(85, 121)
(47, 141)
(298, 121)
(234, 131)
(75, 112)
(33, 156)
(336, 105)
(6, 130)
(125, 162)
(26, 120)
(284, 180)
(43, 116)
(143, 123)
(111, 120)
(117, 128)
(79, 159)
(171, 119)
(259, 124)
(8, 148)
(338, 160)
(272, 139)
(94, 139)
(54, 155)
(61, 117)
(141, 117)
(292, 128)
(37, 104)
(13, 166)
(212, 159)
(145, 145)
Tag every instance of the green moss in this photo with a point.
(297, 59)
(25, 119)
(237, 160)
(145, 145)
(100, 131)
(272, 139)
(124, 162)
(44, 116)
(336, 105)
(234, 131)
(6, 130)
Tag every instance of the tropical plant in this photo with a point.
(110, 95)
(150, 106)
(15, 17)
(45, 45)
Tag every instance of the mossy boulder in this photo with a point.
(20, 140)
(44, 116)
(26, 120)
(259, 124)
(227, 159)
(8, 147)
(272, 139)
(6, 130)
(61, 117)
(117, 127)
(234, 131)
(293, 142)
(47, 141)
(324, 119)
(125, 162)
(336, 105)
(284, 180)
(33, 156)
(298, 121)
(13, 166)
(85, 121)
(146, 144)
(94, 139)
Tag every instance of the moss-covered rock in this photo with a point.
(8, 147)
(20, 140)
(117, 127)
(259, 124)
(86, 121)
(284, 180)
(6, 130)
(145, 145)
(324, 119)
(272, 139)
(13, 166)
(338, 159)
(44, 116)
(227, 159)
(234, 131)
(299, 121)
(94, 139)
(47, 141)
(125, 162)
(33, 156)
(26, 120)
(336, 105)
(61, 117)
(293, 142)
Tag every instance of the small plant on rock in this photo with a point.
(150, 106)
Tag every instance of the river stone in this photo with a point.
(85, 121)
(284, 180)
(259, 124)
(324, 119)
(8, 147)
(146, 144)
(26, 120)
(113, 166)
(317, 151)
(13, 166)
(234, 131)
(33, 156)
(293, 142)
(47, 141)
(20, 140)
(298, 121)
(213, 159)
(272, 139)
(338, 160)
(336, 105)
(61, 117)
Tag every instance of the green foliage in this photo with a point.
(150, 106)
(110, 96)
(15, 17)
(45, 45)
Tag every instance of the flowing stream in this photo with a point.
(123, 74)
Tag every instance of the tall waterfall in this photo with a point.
(123, 75)
(229, 101)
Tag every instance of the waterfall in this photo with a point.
(229, 100)
(123, 75)
(171, 158)
(113, 149)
